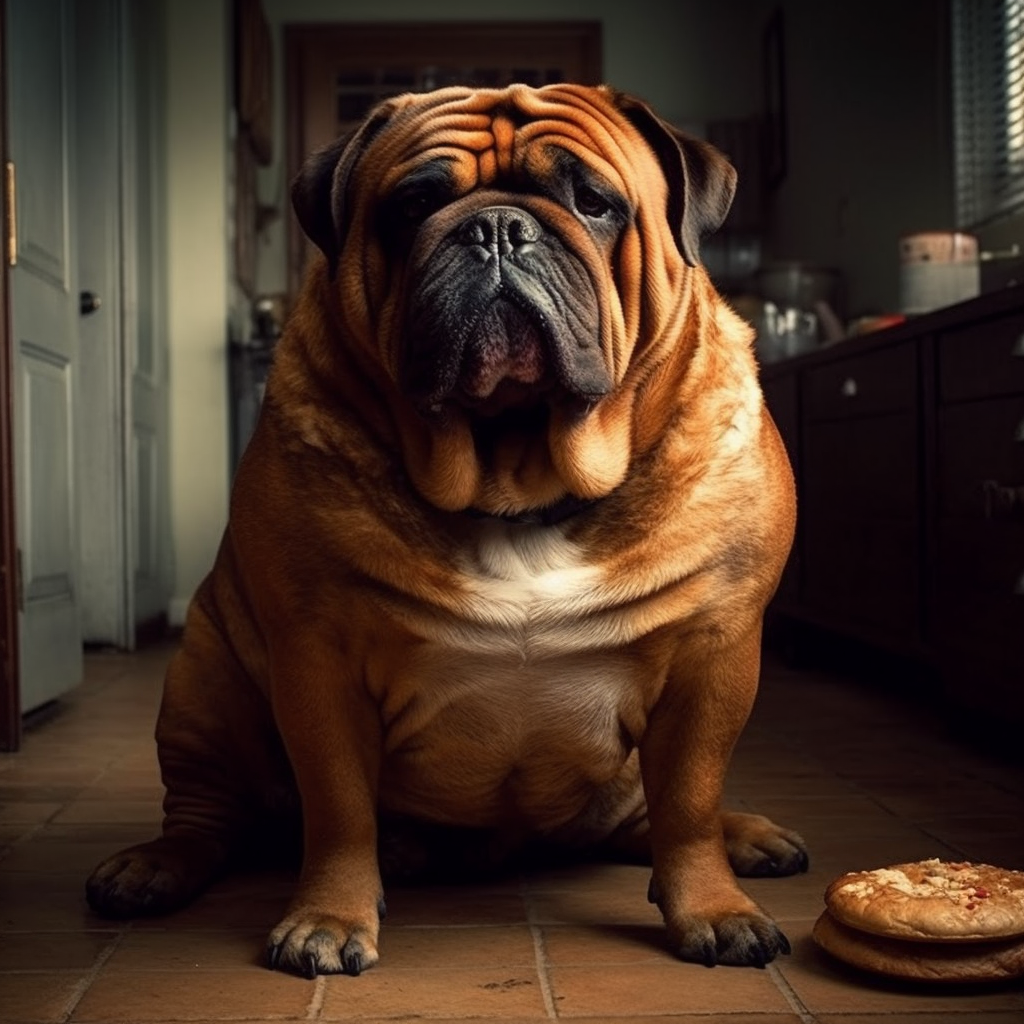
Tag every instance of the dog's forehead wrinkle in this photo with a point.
(575, 168)
(437, 171)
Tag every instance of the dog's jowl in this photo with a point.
(501, 544)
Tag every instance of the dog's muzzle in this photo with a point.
(501, 313)
(500, 231)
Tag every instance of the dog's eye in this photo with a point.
(414, 208)
(589, 202)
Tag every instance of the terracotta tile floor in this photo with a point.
(869, 780)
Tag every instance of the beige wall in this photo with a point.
(197, 132)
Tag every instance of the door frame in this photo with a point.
(10, 703)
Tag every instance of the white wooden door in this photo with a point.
(150, 568)
(123, 468)
(97, 236)
(44, 321)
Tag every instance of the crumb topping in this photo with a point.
(957, 882)
(934, 900)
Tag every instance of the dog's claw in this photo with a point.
(735, 941)
(332, 947)
(353, 961)
(653, 896)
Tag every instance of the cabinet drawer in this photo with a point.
(982, 360)
(876, 382)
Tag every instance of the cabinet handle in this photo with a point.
(848, 389)
(1018, 347)
(1018, 434)
(1018, 588)
(1001, 500)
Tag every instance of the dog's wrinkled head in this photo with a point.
(517, 260)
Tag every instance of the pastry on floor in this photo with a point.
(930, 920)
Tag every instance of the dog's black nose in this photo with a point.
(500, 230)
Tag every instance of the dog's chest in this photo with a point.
(519, 700)
(535, 630)
(532, 594)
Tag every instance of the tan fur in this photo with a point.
(412, 660)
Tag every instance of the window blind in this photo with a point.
(988, 108)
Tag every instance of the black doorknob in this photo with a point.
(88, 302)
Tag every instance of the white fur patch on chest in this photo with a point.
(532, 593)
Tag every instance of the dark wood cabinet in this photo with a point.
(977, 597)
(908, 449)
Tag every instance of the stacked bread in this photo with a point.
(932, 920)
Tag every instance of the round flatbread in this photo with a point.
(949, 962)
(931, 901)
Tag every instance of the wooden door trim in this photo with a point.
(10, 705)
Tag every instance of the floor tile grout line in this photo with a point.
(316, 1002)
(540, 956)
(25, 837)
(789, 994)
(83, 986)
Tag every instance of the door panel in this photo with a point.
(10, 716)
(148, 467)
(39, 143)
(48, 549)
(43, 296)
(146, 358)
(101, 412)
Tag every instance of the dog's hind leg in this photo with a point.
(758, 848)
(157, 877)
(210, 747)
(755, 845)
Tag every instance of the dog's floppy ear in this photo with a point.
(701, 181)
(318, 190)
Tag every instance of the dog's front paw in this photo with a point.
(739, 940)
(154, 878)
(309, 943)
(758, 848)
(740, 937)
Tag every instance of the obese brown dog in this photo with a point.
(500, 546)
